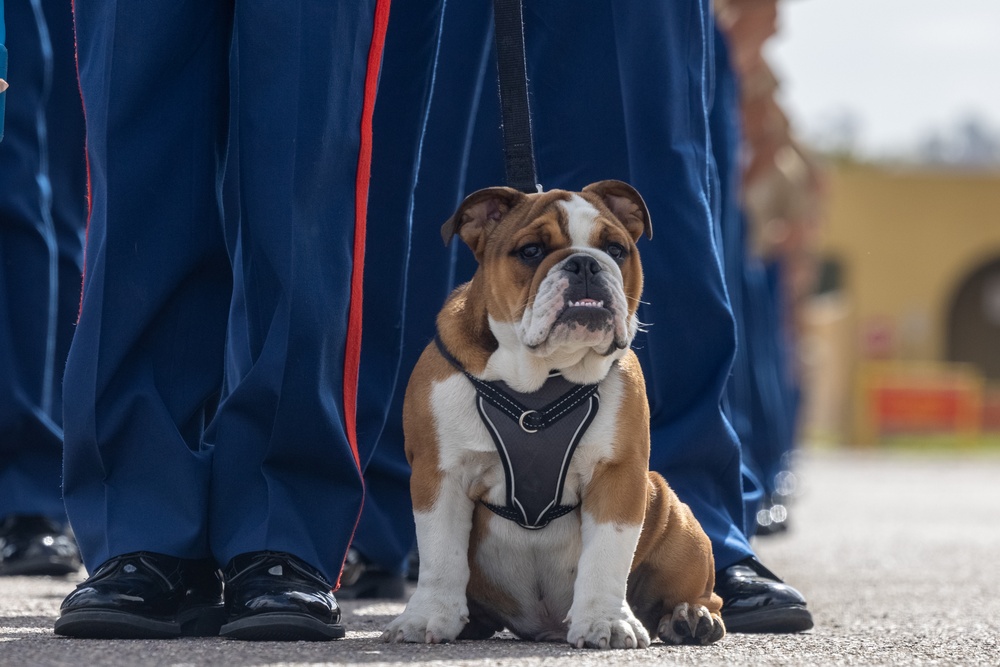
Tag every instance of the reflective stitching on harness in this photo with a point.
(547, 415)
(500, 399)
(541, 446)
(515, 509)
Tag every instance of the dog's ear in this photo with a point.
(479, 214)
(626, 204)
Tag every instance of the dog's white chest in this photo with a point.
(534, 568)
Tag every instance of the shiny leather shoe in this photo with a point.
(363, 580)
(33, 545)
(145, 595)
(275, 596)
(754, 599)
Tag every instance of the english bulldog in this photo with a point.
(527, 428)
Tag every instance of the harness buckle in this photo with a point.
(524, 415)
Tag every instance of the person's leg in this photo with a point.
(67, 168)
(779, 361)
(741, 389)
(755, 403)
(145, 366)
(42, 212)
(774, 406)
(419, 121)
(765, 352)
(145, 369)
(286, 474)
(755, 600)
(287, 490)
(595, 118)
(385, 532)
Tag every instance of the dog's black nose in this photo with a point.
(578, 264)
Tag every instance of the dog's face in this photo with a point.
(562, 268)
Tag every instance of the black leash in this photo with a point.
(512, 73)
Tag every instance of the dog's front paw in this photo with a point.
(691, 624)
(428, 622)
(618, 630)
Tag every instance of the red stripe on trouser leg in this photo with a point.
(352, 354)
(86, 161)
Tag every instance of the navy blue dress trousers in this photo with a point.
(210, 394)
(43, 208)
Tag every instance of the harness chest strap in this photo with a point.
(535, 435)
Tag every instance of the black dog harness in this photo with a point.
(535, 435)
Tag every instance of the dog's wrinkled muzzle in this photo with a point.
(581, 300)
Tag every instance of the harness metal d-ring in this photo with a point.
(520, 421)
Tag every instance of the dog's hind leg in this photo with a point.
(670, 586)
(691, 624)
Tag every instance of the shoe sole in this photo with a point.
(105, 624)
(108, 624)
(786, 619)
(281, 627)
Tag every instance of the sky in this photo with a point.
(901, 69)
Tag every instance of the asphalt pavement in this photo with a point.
(896, 552)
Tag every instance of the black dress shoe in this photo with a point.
(275, 596)
(754, 599)
(145, 595)
(36, 545)
(363, 580)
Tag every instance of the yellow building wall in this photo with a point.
(906, 240)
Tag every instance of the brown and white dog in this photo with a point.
(555, 294)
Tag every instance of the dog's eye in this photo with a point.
(531, 251)
(617, 251)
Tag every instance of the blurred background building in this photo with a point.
(873, 176)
